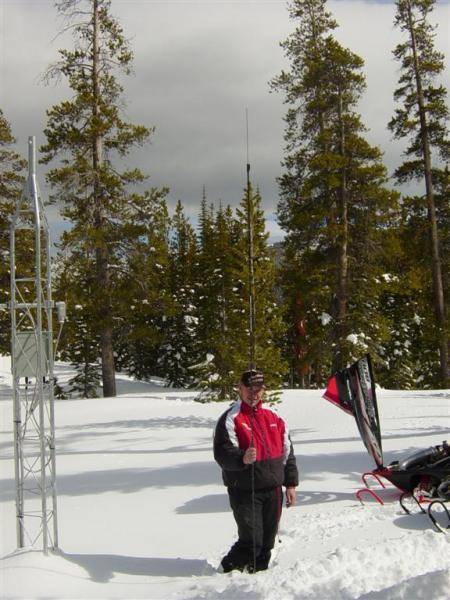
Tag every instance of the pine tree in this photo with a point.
(180, 348)
(142, 286)
(423, 119)
(11, 183)
(88, 136)
(80, 342)
(442, 199)
(216, 373)
(410, 355)
(204, 371)
(333, 203)
(268, 322)
(205, 274)
(223, 300)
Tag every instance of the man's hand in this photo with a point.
(249, 456)
(291, 496)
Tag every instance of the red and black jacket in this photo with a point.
(242, 426)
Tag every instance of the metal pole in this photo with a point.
(251, 268)
(16, 400)
(51, 381)
(251, 310)
(32, 360)
(40, 371)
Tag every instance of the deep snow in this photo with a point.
(143, 513)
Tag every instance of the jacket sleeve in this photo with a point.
(226, 449)
(290, 468)
(290, 464)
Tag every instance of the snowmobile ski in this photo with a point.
(431, 511)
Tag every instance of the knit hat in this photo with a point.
(252, 379)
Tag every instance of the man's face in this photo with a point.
(251, 395)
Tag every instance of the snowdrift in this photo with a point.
(143, 513)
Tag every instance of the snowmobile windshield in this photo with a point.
(353, 390)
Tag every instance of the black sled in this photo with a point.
(423, 477)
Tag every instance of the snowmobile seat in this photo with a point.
(419, 459)
(422, 458)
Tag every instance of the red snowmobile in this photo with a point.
(421, 477)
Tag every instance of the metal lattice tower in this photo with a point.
(32, 368)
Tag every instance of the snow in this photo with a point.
(189, 319)
(358, 339)
(388, 277)
(325, 318)
(143, 513)
(353, 338)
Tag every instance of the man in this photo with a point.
(252, 445)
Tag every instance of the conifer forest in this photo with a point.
(363, 267)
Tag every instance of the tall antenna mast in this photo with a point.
(30, 308)
(250, 259)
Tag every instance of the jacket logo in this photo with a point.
(273, 424)
(246, 426)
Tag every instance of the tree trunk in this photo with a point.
(439, 303)
(342, 283)
(101, 251)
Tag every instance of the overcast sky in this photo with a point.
(198, 66)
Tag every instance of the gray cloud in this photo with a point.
(198, 65)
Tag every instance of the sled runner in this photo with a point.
(422, 477)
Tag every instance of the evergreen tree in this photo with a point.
(411, 356)
(223, 300)
(217, 372)
(12, 166)
(422, 118)
(333, 203)
(205, 274)
(399, 303)
(80, 342)
(142, 284)
(11, 183)
(180, 348)
(268, 322)
(442, 199)
(87, 134)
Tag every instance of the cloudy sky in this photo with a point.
(198, 66)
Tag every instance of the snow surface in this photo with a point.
(143, 513)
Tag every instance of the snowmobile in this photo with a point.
(423, 477)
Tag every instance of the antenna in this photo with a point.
(250, 260)
(246, 127)
(32, 354)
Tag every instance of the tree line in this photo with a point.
(361, 269)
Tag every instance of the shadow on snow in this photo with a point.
(102, 567)
(129, 480)
(215, 503)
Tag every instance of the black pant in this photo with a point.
(258, 527)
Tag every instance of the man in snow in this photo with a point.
(252, 445)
